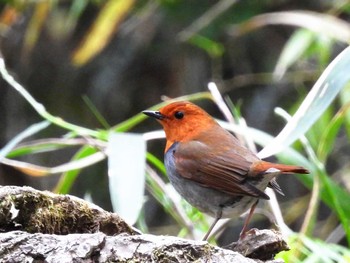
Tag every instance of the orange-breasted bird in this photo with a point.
(210, 168)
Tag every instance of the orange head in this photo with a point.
(182, 121)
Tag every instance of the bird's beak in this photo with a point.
(154, 114)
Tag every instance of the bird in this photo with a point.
(210, 168)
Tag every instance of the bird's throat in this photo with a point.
(168, 145)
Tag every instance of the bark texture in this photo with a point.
(39, 226)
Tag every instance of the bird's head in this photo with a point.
(182, 121)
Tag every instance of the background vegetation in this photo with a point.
(86, 69)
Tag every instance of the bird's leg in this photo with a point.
(217, 218)
(246, 222)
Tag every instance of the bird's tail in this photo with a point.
(262, 167)
(284, 168)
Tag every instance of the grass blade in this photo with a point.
(68, 178)
(24, 134)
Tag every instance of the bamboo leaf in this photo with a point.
(68, 178)
(24, 134)
(39, 171)
(316, 102)
(36, 24)
(325, 24)
(326, 142)
(126, 171)
(107, 22)
(50, 144)
(295, 47)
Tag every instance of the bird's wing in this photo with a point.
(225, 171)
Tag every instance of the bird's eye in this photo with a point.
(179, 115)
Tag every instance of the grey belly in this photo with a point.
(208, 200)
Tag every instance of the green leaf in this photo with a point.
(44, 145)
(342, 195)
(314, 134)
(213, 48)
(295, 47)
(329, 135)
(314, 250)
(21, 136)
(156, 162)
(344, 99)
(316, 102)
(335, 200)
(68, 178)
(319, 23)
(126, 171)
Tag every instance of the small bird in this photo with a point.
(210, 168)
